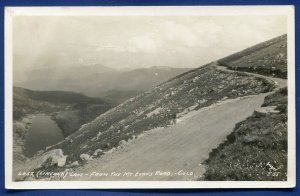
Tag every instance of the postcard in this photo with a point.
(150, 97)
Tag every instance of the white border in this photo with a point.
(138, 11)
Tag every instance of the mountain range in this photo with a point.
(95, 80)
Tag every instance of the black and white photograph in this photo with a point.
(150, 97)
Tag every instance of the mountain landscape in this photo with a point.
(226, 120)
(96, 80)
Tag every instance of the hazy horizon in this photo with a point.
(122, 42)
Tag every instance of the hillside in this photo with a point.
(267, 58)
(158, 107)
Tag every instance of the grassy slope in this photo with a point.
(255, 145)
(267, 58)
(156, 108)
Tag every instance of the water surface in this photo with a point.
(43, 132)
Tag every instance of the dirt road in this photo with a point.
(278, 81)
(175, 152)
(177, 149)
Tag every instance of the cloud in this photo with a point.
(135, 42)
(143, 43)
(179, 33)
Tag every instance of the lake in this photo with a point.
(43, 132)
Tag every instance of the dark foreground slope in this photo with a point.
(267, 58)
(158, 107)
(256, 149)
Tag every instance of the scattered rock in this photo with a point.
(40, 152)
(195, 79)
(201, 101)
(74, 164)
(224, 98)
(96, 153)
(50, 158)
(85, 157)
(250, 139)
(98, 135)
(263, 111)
(122, 142)
(61, 161)
(110, 151)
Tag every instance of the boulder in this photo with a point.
(50, 158)
(110, 151)
(96, 153)
(53, 157)
(74, 164)
(250, 138)
(263, 111)
(85, 157)
(122, 142)
(61, 161)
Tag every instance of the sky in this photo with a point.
(130, 42)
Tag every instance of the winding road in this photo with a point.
(175, 152)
